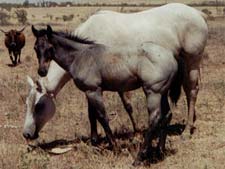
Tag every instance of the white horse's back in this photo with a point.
(167, 25)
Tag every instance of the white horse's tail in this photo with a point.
(204, 15)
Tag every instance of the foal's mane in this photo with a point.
(76, 38)
(68, 35)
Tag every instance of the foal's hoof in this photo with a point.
(116, 150)
(137, 163)
(142, 155)
(160, 155)
(113, 147)
(94, 141)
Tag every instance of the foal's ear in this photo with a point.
(49, 31)
(35, 31)
(30, 81)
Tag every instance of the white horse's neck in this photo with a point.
(55, 79)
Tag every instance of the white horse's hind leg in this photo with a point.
(193, 46)
(191, 88)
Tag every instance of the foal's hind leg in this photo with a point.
(166, 118)
(96, 101)
(128, 108)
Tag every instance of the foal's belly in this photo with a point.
(117, 84)
(119, 79)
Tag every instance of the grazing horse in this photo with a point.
(14, 41)
(42, 93)
(183, 31)
(96, 68)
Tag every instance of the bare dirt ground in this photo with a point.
(204, 151)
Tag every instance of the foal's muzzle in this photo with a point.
(42, 72)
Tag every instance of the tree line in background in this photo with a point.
(49, 3)
(21, 14)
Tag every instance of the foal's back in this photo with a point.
(116, 69)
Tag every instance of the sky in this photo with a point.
(33, 1)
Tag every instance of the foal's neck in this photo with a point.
(66, 51)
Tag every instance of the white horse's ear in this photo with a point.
(30, 81)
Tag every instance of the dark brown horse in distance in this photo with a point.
(14, 41)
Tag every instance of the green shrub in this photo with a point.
(68, 18)
(4, 17)
(21, 16)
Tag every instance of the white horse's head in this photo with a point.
(40, 108)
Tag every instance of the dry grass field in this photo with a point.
(206, 149)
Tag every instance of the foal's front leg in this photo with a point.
(93, 123)
(154, 109)
(96, 101)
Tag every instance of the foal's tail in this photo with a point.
(175, 89)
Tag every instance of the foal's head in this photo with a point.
(40, 108)
(43, 48)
